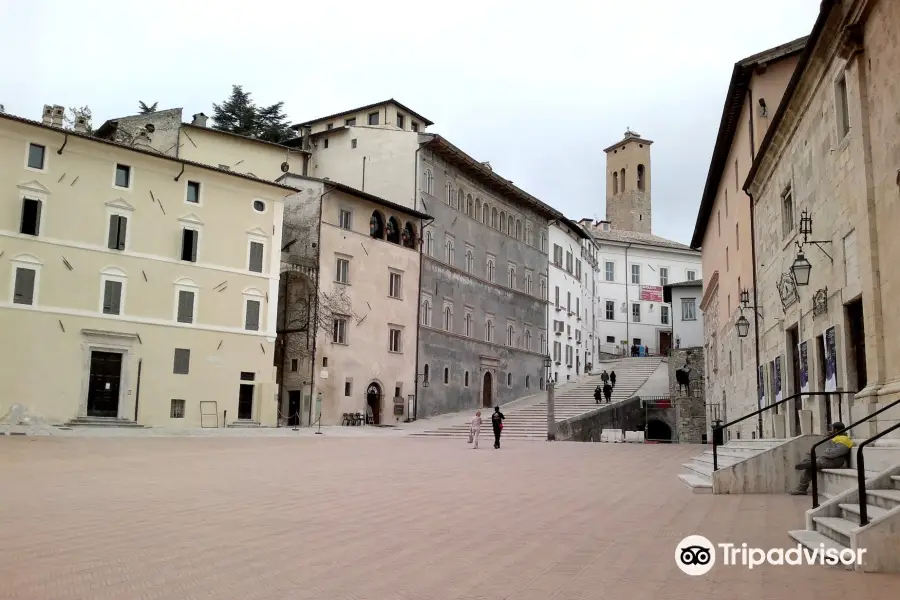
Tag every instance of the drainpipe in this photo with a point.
(759, 418)
(315, 335)
(137, 391)
(363, 188)
(627, 308)
(415, 414)
(284, 341)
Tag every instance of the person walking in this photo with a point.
(598, 394)
(612, 379)
(835, 453)
(497, 425)
(604, 377)
(607, 392)
(475, 429)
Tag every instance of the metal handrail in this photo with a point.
(812, 451)
(861, 473)
(760, 411)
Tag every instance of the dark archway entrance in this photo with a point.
(658, 431)
(487, 390)
(373, 403)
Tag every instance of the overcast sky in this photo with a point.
(537, 88)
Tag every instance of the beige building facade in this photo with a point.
(724, 230)
(831, 154)
(353, 351)
(135, 285)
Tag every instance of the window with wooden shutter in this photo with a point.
(256, 256)
(118, 225)
(251, 320)
(185, 306)
(189, 239)
(112, 297)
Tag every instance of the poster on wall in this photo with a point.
(651, 293)
(830, 360)
(761, 385)
(804, 367)
(771, 393)
(778, 379)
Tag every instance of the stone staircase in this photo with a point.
(101, 422)
(530, 422)
(244, 423)
(698, 471)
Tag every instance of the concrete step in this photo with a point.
(835, 481)
(814, 540)
(244, 423)
(850, 512)
(896, 481)
(886, 499)
(837, 529)
(101, 422)
(723, 460)
(697, 483)
(703, 469)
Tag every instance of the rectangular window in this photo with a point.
(394, 341)
(185, 306)
(688, 309)
(610, 310)
(123, 176)
(31, 216)
(636, 274)
(557, 255)
(353, 143)
(329, 126)
(193, 192)
(325, 144)
(400, 122)
(691, 275)
(578, 307)
(568, 301)
(345, 220)
(118, 227)
(557, 296)
(256, 257)
(339, 331)
(373, 118)
(569, 262)
(251, 317)
(189, 238)
(414, 126)
(843, 111)
(112, 297)
(610, 339)
(636, 313)
(663, 276)
(36, 156)
(664, 315)
(176, 411)
(348, 387)
(23, 288)
(295, 365)
(787, 212)
(350, 122)
(342, 271)
(182, 361)
(395, 285)
(610, 271)
(577, 269)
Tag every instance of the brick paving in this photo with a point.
(378, 518)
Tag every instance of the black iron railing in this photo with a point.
(762, 410)
(812, 451)
(861, 473)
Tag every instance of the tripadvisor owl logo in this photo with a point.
(695, 555)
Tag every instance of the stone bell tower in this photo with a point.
(628, 183)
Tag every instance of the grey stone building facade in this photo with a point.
(689, 405)
(482, 311)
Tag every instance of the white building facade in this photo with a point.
(571, 316)
(687, 319)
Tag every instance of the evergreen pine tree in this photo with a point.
(239, 114)
(146, 109)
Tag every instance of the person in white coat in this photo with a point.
(475, 429)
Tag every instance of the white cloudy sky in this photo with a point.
(536, 88)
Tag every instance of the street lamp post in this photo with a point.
(551, 412)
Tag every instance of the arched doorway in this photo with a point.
(373, 402)
(658, 431)
(487, 390)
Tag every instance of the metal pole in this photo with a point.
(551, 413)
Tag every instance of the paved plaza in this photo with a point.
(378, 518)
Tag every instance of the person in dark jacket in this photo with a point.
(612, 379)
(607, 392)
(834, 454)
(604, 377)
(598, 394)
(497, 425)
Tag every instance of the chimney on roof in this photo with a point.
(57, 114)
(488, 165)
(80, 125)
(199, 120)
(586, 222)
(47, 116)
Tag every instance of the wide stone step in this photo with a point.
(835, 481)
(703, 469)
(886, 499)
(896, 481)
(851, 512)
(697, 483)
(102, 422)
(814, 540)
(836, 528)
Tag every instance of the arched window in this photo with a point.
(527, 381)
(478, 209)
(543, 344)
(489, 270)
(512, 277)
(529, 239)
(429, 243)
(622, 179)
(470, 261)
(376, 225)
(468, 325)
(640, 177)
(528, 340)
(446, 374)
(494, 213)
(425, 374)
(518, 229)
(429, 182)
(502, 223)
(467, 379)
(488, 331)
(509, 380)
(448, 319)
(615, 182)
(450, 196)
(470, 206)
(459, 197)
(448, 251)
(393, 230)
(510, 332)
(426, 312)
(510, 225)
(408, 237)
(528, 284)
(543, 289)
